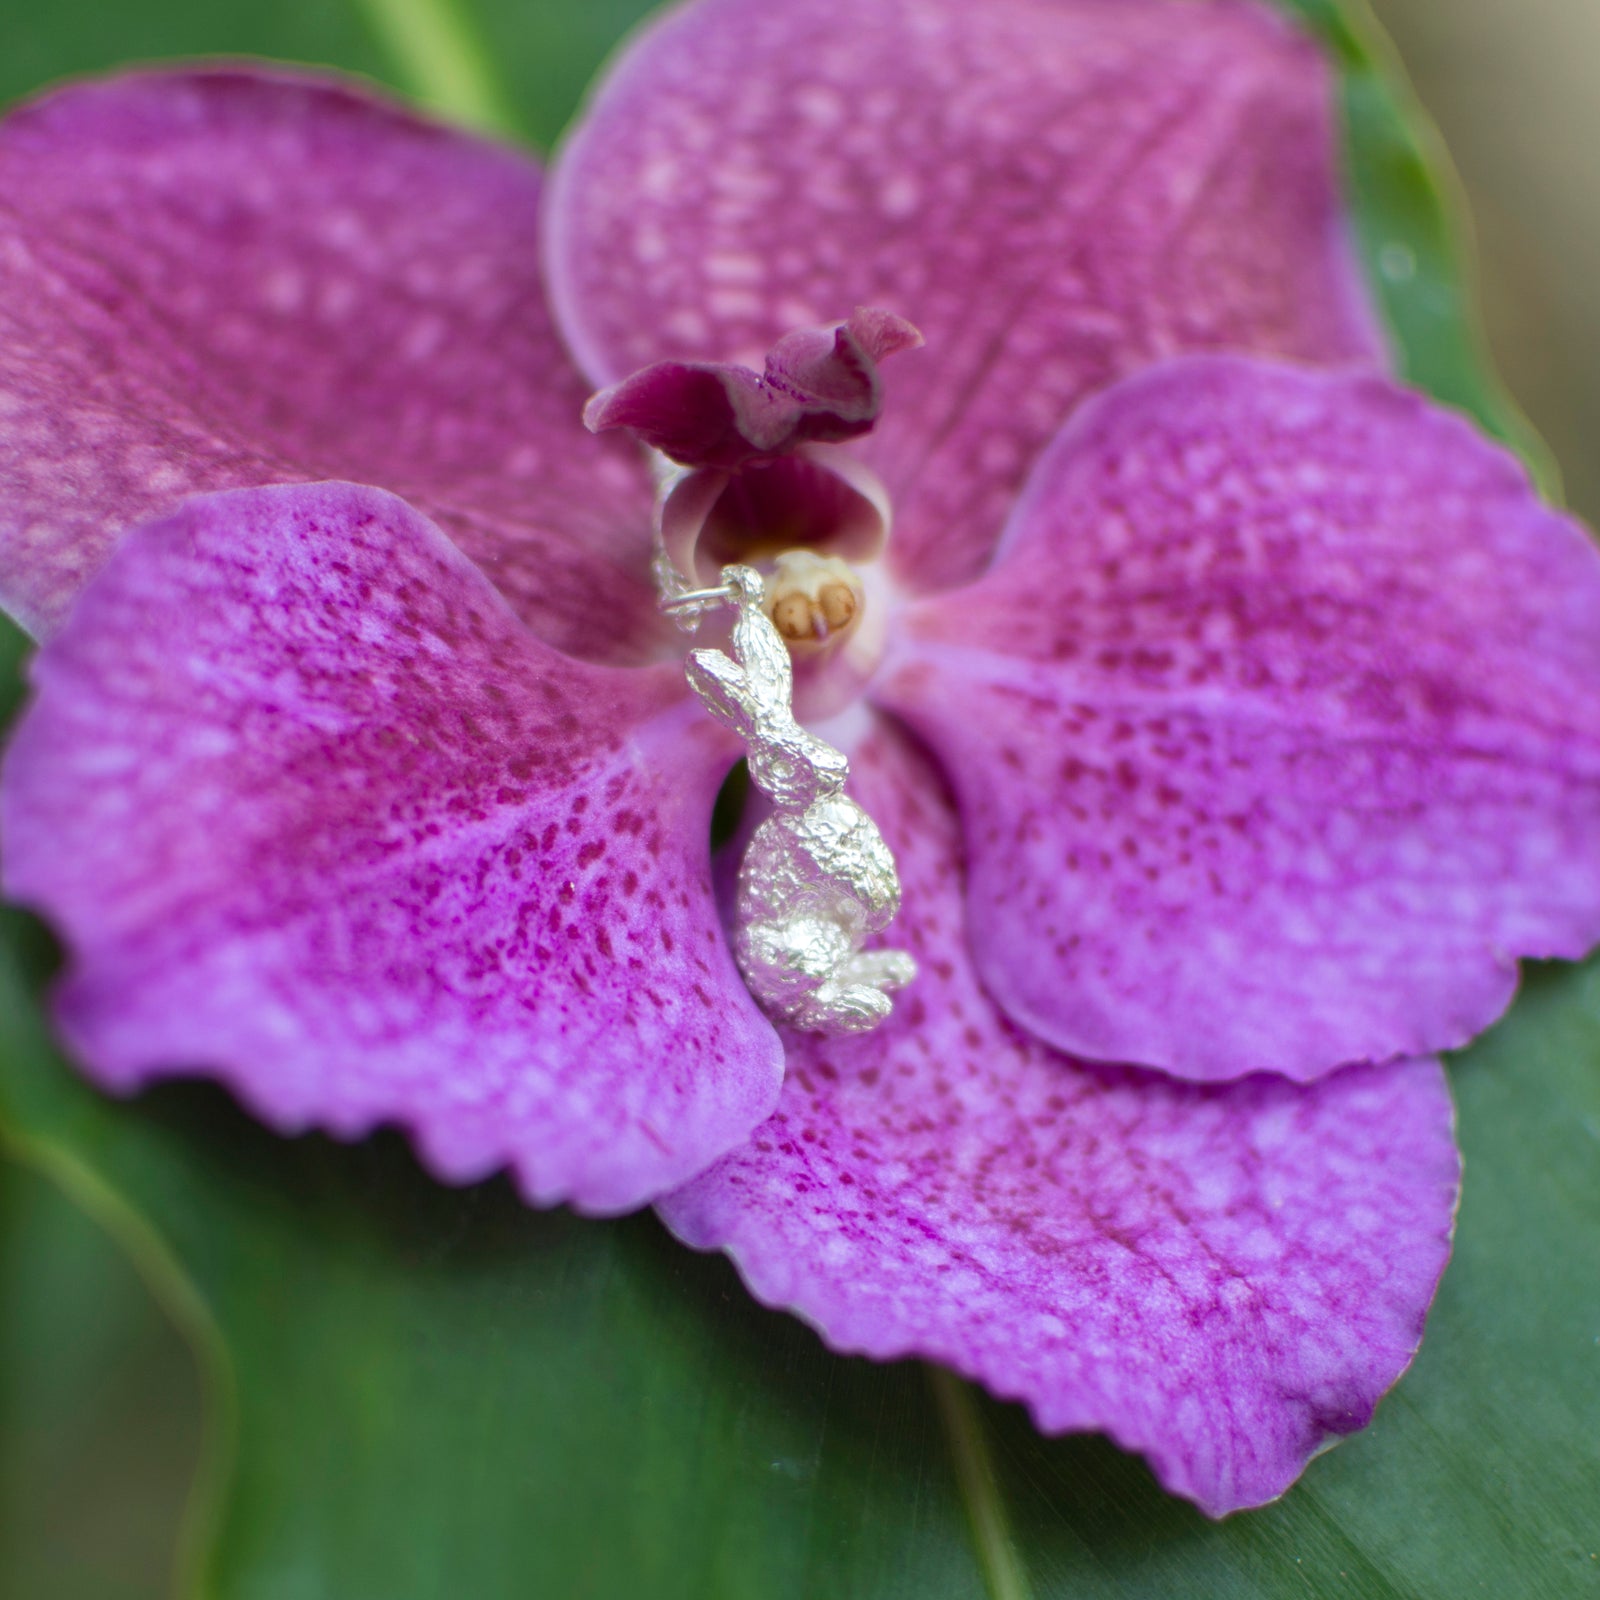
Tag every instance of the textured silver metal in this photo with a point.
(817, 878)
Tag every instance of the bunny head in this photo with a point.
(798, 770)
(790, 765)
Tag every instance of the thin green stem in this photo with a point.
(980, 1490)
(442, 61)
(177, 1295)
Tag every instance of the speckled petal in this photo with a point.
(234, 277)
(1055, 192)
(316, 815)
(1275, 726)
(1225, 1279)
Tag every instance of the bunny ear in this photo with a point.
(760, 650)
(724, 687)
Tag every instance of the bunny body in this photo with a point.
(817, 878)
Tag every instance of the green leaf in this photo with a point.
(440, 1391)
(1403, 198)
(41, 43)
(440, 59)
(421, 1391)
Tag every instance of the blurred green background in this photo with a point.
(100, 1422)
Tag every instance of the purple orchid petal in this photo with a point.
(316, 814)
(820, 386)
(1225, 1279)
(232, 277)
(1275, 726)
(1055, 191)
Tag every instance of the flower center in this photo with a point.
(753, 474)
(812, 599)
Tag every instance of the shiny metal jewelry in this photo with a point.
(817, 878)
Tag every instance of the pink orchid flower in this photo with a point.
(1233, 715)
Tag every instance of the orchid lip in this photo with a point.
(819, 499)
(830, 537)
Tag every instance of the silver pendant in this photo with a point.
(817, 878)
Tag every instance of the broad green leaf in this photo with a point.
(423, 1391)
(440, 1391)
(443, 1392)
(1401, 192)
(41, 43)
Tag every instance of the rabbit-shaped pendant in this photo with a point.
(817, 877)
